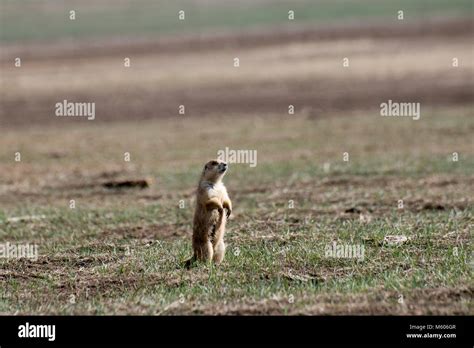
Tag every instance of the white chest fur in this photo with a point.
(213, 190)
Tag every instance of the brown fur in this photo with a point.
(213, 207)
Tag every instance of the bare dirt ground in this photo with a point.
(301, 67)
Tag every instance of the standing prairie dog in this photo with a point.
(209, 217)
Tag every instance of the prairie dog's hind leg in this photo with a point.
(203, 250)
(219, 246)
(219, 252)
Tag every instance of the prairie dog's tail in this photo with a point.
(190, 262)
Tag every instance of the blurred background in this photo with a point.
(190, 62)
(403, 56)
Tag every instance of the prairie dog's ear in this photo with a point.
(209, 164)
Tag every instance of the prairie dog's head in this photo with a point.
(214, 171)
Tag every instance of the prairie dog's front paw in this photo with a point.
(211, 205)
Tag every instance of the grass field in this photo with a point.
(21, 18)
(121, 251)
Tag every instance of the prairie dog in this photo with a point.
(209, 217)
